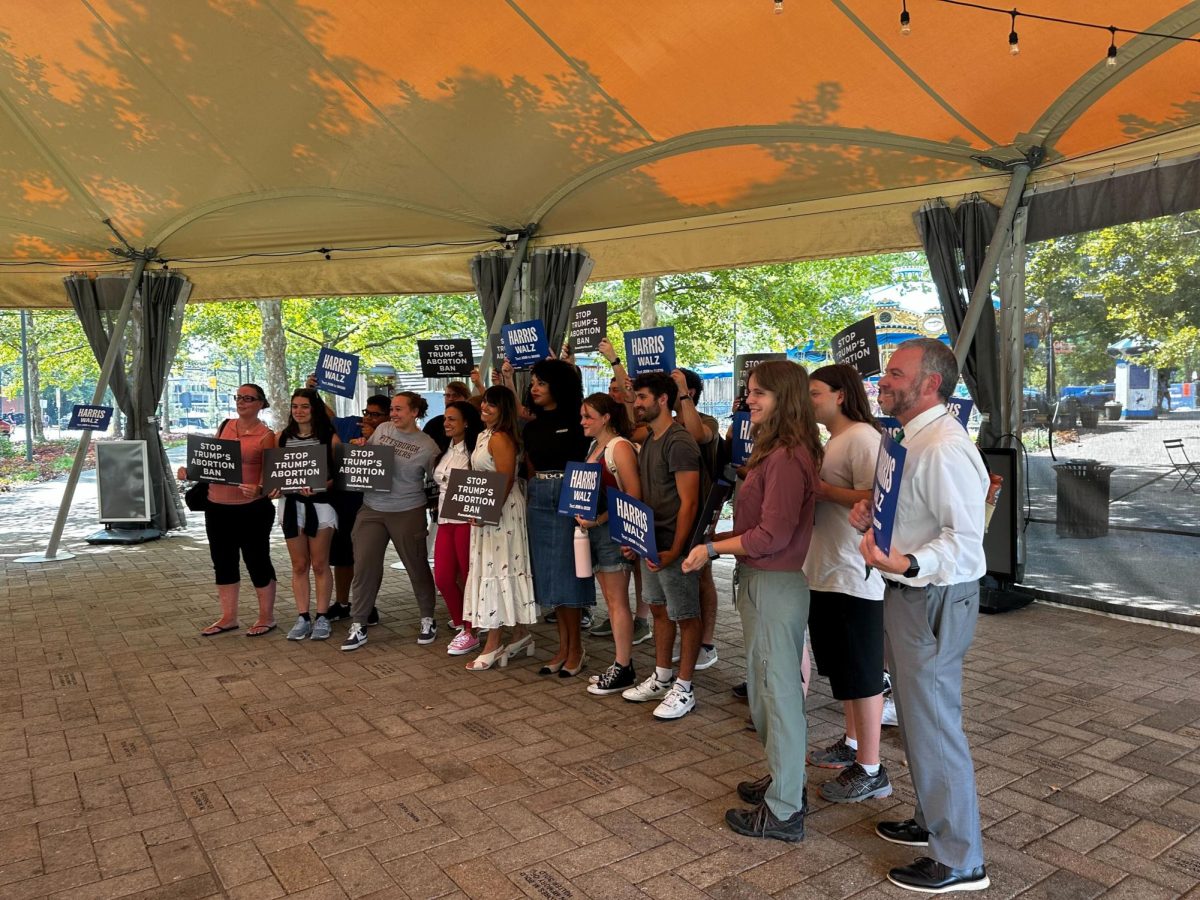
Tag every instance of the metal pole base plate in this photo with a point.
(34, 558)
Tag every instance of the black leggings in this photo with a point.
(244, 528)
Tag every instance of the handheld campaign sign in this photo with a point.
(631, 524)
(580, 495)
(90, 418)
(525, 343)
(744, 364)
(292, 469)
(960, 408)
(650, 350)
(364, 468)
(215, 460)
(890, 425)
(858, 346)
(337, 372)
(889, 467)
(743, 443)
(588, 327)
(446, 358)
(474, 495)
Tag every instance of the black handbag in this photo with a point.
(195, 498)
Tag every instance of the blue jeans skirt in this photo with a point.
(552, 551)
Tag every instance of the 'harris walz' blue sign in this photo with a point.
(960, 408)
(337, 372)
(525, 343)
(89, 418)
(650, 350)
(889, 467)
(890, 425)
(631, 524)
(743, 443)
(580, 495)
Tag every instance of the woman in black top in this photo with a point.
(552, 439)
(308, 518)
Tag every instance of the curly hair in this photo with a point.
(792, 423)
(562, 378)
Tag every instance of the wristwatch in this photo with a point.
(687, 397)
(616, 361)
(712, 551)
(914, 569)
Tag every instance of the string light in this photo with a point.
(779, 7)
(1112, 47)
(1014, 43)
(905, 26)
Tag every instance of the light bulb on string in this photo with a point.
(779, 7)
(1112, 47)
(905, 26)
(1014, 46)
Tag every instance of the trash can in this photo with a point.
(1089, 416)
(1064, 420)
(1083, 492)
(1112, 411)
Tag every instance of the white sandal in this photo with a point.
(484, 661)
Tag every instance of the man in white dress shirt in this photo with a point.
(930, 605)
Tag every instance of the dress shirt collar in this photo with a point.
(917, 423)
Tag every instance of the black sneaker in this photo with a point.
(753, 792)
(837, 755)
(740, 692)
(932, 877)
(760, 822)
(338, 611)
(853, 785)
(613, 679)
(908, 833)
(373, 616)
(551, 618)
(428, 633)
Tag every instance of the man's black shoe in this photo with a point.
(760, 822)
(931, 877)
(373, 616)
(739, 692)
(338, 611)
(753, 792)
(907, 832)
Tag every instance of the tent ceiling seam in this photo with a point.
(353, 88)
(743, 134)
(182, 221)
(912, 74)
(579, 69)
(1099, 79)
(116, 36)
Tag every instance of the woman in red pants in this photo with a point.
(452, 545)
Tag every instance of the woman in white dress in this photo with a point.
(499, 578)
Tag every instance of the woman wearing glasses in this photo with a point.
(238, 519)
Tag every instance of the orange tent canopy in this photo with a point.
(239, 136)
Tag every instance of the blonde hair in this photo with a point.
(792, 423)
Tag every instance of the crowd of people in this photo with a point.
(807, 566)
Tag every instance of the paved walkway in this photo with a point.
(141, 760)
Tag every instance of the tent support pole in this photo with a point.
(506, 295)
(116, 345)
(979, 293)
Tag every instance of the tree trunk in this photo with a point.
(34, 388)
(274, 342)
(646, 302)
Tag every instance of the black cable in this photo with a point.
(1111, 29)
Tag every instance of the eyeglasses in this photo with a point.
(371, 414)
(246, 398)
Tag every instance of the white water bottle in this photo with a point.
(583, 554)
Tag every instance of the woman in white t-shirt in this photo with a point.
(846, 615)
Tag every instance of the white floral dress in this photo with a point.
(499, 588)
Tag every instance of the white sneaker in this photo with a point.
(889, 712)
(650, 689)
(677, 704)
(704, 658)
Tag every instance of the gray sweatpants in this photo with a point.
(407, 532)
(774, 611)
(926, 634)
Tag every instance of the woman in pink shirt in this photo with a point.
(238, 519)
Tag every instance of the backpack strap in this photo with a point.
(610, 458)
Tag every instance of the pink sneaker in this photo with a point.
(464, 642)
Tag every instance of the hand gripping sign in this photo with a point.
(631, 524)
(292, 469)
(580, 495)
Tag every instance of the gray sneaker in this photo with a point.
(601, 629)
(321, 629)
(642, 631)
(300, 630)
(853, 785)
(835, 756)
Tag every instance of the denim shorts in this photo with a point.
(670, 586)
(606, 553)
(552, 549)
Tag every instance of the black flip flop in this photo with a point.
(221, 629)
(267, 629)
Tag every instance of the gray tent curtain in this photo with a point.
(161, 299)
(488, 271)
(955, 243)
(554, 279)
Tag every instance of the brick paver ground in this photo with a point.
(142, 760)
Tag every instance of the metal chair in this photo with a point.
(1188, 471)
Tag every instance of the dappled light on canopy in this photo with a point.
(238, 137)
